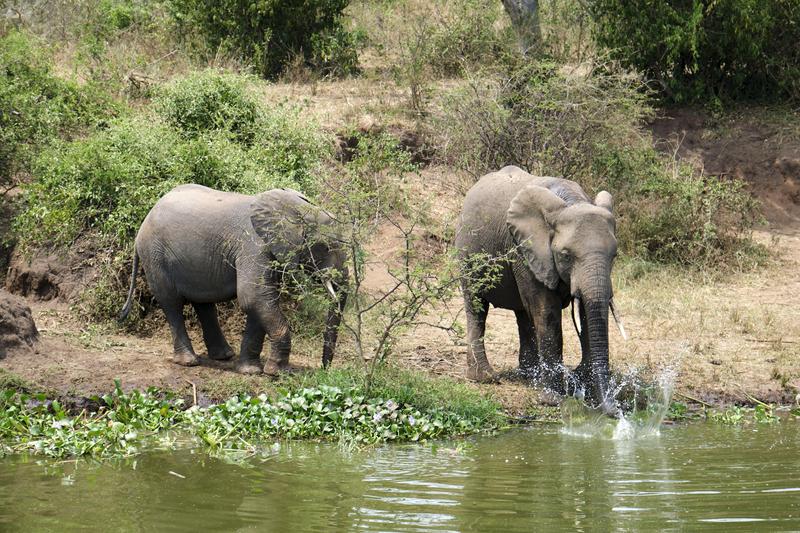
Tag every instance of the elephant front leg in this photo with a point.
(279, 355)
(261, 323)
(478, 367)
(528, 351)
(252, 344)
(546, 313)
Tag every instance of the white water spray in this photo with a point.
(649, 404)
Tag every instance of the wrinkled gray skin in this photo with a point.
(202, 246)
(566, 248)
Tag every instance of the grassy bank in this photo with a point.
(338, 405)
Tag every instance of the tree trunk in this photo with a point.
(524, 16)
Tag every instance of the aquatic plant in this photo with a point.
(321, 413)
(126, 422)
(37, 425)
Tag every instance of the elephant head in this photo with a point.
(299, 234)
(573, 244)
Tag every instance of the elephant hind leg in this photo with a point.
(478, 367)
(528, 351)
(218, 347)
(183, 352)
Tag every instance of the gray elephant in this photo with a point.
(202, 246)
(555, 246)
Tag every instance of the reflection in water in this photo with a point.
(691, 477)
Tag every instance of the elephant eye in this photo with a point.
(565, 254)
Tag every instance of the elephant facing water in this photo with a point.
(202, 246)
(559, 247)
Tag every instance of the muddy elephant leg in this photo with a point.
(270, 322)
(478, 367)
(252, 342)
(218, 347)
(545, 309)
(183, 353)
(528, 351)
(279, 355)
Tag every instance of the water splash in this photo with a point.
(644, 405)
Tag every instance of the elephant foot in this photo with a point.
(482, 374)
(185, 359)
(273, 368)
(221, 354)
(248, 367)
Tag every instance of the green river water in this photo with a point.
(697, 476)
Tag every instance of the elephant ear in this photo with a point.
(280, 218)
(530, 220)
(604, 200)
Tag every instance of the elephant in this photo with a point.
(202, 246)
(553, 246)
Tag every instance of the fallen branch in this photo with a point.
(773, 341)
(693, 399)
(194, 391)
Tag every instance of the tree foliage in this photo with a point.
(704, 50)
(269, 33)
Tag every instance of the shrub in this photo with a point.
(669, 212)
(209, 100)
(36, 107)
(706, 50)
(268, 33)
(466, 33)
(588, 129)
(107, 182)
(537, 117)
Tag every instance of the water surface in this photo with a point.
(690, 477)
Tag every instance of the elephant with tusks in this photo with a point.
(558, 247)
(202, 246)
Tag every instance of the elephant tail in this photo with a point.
(126, 309)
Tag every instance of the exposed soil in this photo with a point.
(731, 339)
(763, 153)
(17, 329)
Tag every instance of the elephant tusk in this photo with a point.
(329, 286)
(577, 323)
(617, 319)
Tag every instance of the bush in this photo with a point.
(36, 107)
(706, 50)
(669, 212)
(268, 33)
(208, 101)
(537, 117)
(107, 182)
(588, 129)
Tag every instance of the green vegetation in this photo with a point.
(706, 50)
(397, 406)
(588, 128)
(36, 107)
(270, 34)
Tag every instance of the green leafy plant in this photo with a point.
(270, 33)
(706, 50)
(127, 423)
(731, 417)
(36, 107)
(210, 101)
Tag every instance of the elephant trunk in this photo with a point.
(332, 323)
(594, 306)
